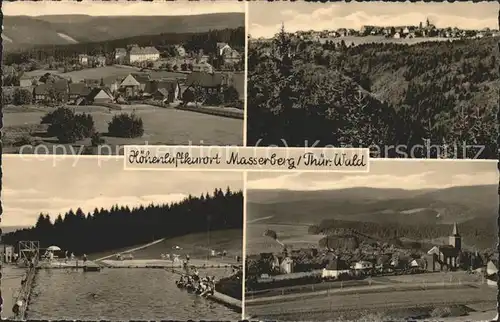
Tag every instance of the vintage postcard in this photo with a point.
(100, 243)
(89, 77)
(410, 240)
(410, 80)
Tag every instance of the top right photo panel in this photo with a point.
(407, 80)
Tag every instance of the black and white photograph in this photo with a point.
(410, 240)
(100, 243)
(406, 79)
(88, 77)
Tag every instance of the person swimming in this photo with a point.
(94, 295)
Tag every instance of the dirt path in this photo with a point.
(130, 250)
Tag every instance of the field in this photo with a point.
(399, 293)
(110, 72)
(196, 245)
(98, 73)
(294, 236)
(161, 126)
(381, 39)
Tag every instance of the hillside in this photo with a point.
(274, 196)
(381, 94)
(457, 204)
(25, 32)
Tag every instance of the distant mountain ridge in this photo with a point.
(456, 204)
(26, 31)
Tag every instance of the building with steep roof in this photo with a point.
(447, 257)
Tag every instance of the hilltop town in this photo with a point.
(422, 31)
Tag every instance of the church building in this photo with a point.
(446, 257)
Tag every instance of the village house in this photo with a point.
(52, 92)
(221, 47)
(180, 50)
(446, 257)
(101, 61)
(7, 253)
(134, 84)
(210, 83)
(26, 81)
(335, 268)
(203, 67)
(77, 93)
(142, 54)
(83, 59)
(166, 91)
(99, 95)
(231, 56)
(286, 266)
(120, 54)
(362, 265)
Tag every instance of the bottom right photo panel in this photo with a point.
(410, 239)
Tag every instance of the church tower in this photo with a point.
(455, 238)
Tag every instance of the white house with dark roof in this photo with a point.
(221, 47)
(142, 54)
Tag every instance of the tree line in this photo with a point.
(121, 226)
(374, 95)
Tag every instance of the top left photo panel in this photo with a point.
(91, 77)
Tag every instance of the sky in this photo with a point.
(120, 8)
(265, 18)
(31, 186)
(400, 174)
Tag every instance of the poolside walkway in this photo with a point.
(11, 286)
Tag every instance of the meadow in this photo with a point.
(196, 245)
(161, 127)
(397, 301)
(293, 236)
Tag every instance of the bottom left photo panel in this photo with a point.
(84, 239)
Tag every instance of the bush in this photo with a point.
(22, 96)
(97, 139)
(230, 286)
(215, 99)
(231, 95)
(126, 126)
(67, 126)
(188, 96)
(23, 141)
(441, 312)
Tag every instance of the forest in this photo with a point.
(478, 233)
(192, 42)
(122, 226)
(411, 98)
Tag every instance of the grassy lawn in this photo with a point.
(161, 127)
(196, 245)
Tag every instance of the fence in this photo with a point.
(217, 112)
(109, 105)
